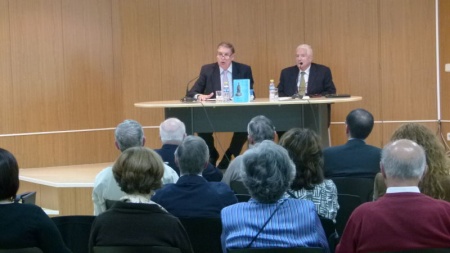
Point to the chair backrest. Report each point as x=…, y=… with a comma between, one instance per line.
x=347, y=203
x=238, y=187
x=109, y=203
x=75, y=231
x=446, y=250
x=26, y=198
x=135, y=249
x=204, y=234
x=362, y=187
x=278, y=250
x=22, y=250
x=243, y=197
x=330, y=231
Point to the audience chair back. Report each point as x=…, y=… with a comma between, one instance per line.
x=362, y=187
x=135, y=249
x=22, y=250
x=446, y=250
x=243, y=197
x=347, y=203
x=204, y=234
x=330, y=231
x=26, y=198
x=278, y=250
x=238, y=187
x=75, y=231
x=109, y=203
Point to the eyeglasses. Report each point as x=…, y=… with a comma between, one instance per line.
x=226, y=56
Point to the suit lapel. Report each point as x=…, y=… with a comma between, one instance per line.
x=312, y=76
x=216, y=77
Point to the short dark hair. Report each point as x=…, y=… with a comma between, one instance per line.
x=9, y=175
x=360, y=123
x=138, y=170
x=227, y=45
x=303, y=146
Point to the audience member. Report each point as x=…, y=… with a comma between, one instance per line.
x=172, y=132
x=436, y=181
x=135, y=219
x=269, y=220
x=403, y=218
x=192, y=195
x=259, y=128
x=355, y=158
x=303, y=146
x=23, y=225
x=128, y=134
x=211, y=79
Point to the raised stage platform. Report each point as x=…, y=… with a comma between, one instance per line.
x=63, y=190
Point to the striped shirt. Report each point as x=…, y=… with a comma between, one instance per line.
x=295, y=224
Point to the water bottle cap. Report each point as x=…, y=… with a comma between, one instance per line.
x=271, y=80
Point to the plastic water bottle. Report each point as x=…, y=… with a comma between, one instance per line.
x=272, y=90
x=226, y=92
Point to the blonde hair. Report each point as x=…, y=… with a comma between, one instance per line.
x=437, y=161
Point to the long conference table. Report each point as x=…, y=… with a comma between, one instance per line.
x=286, y=113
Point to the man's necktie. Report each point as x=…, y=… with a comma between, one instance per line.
x=302, y=87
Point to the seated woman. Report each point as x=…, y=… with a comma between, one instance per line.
x=303, y=146
x=269, y=220
x=136, y=220
x=23, y=225
x=436, y=181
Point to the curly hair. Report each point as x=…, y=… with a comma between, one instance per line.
x=303, y=146
x=437, y=161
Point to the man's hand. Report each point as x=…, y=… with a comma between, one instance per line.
x=205, y=97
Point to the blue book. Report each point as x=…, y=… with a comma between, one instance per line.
x=241, y=90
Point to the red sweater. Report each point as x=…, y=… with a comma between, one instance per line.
x=397, y=221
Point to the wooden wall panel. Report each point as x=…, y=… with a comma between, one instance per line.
x=61, y=149
x=285, y=31
x=444, y=50
x=408, y=60
x=89, y=86
x=6, y=85
x=37, y=66
x=140, y=57
x=349, y=46
x=243, y=23
x=186, y=44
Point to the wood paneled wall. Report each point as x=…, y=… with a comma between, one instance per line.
x=74, y=69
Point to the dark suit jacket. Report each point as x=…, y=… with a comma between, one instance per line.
x=209, y=79
x=353, y=159
x=193, y=196
x=167, y=153
x=320, y=81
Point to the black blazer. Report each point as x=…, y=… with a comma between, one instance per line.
x=209, y=78
x=320, y=81
x=353, y=159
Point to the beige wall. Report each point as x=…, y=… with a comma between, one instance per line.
x=79, y=66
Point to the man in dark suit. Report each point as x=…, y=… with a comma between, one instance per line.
x=172, y=132
x=355, y=158
x=306, y=78
x=193, y=196
x=211, y=79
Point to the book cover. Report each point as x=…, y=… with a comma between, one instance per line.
x=241, y=90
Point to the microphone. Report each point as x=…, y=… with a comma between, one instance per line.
x=296, y=95
x=186, y=98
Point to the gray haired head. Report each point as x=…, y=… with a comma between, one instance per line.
x=403, y=160
x=192, y=155
x=260, y=128
x=267, y=171
x=172, y=130
x=129, y=134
